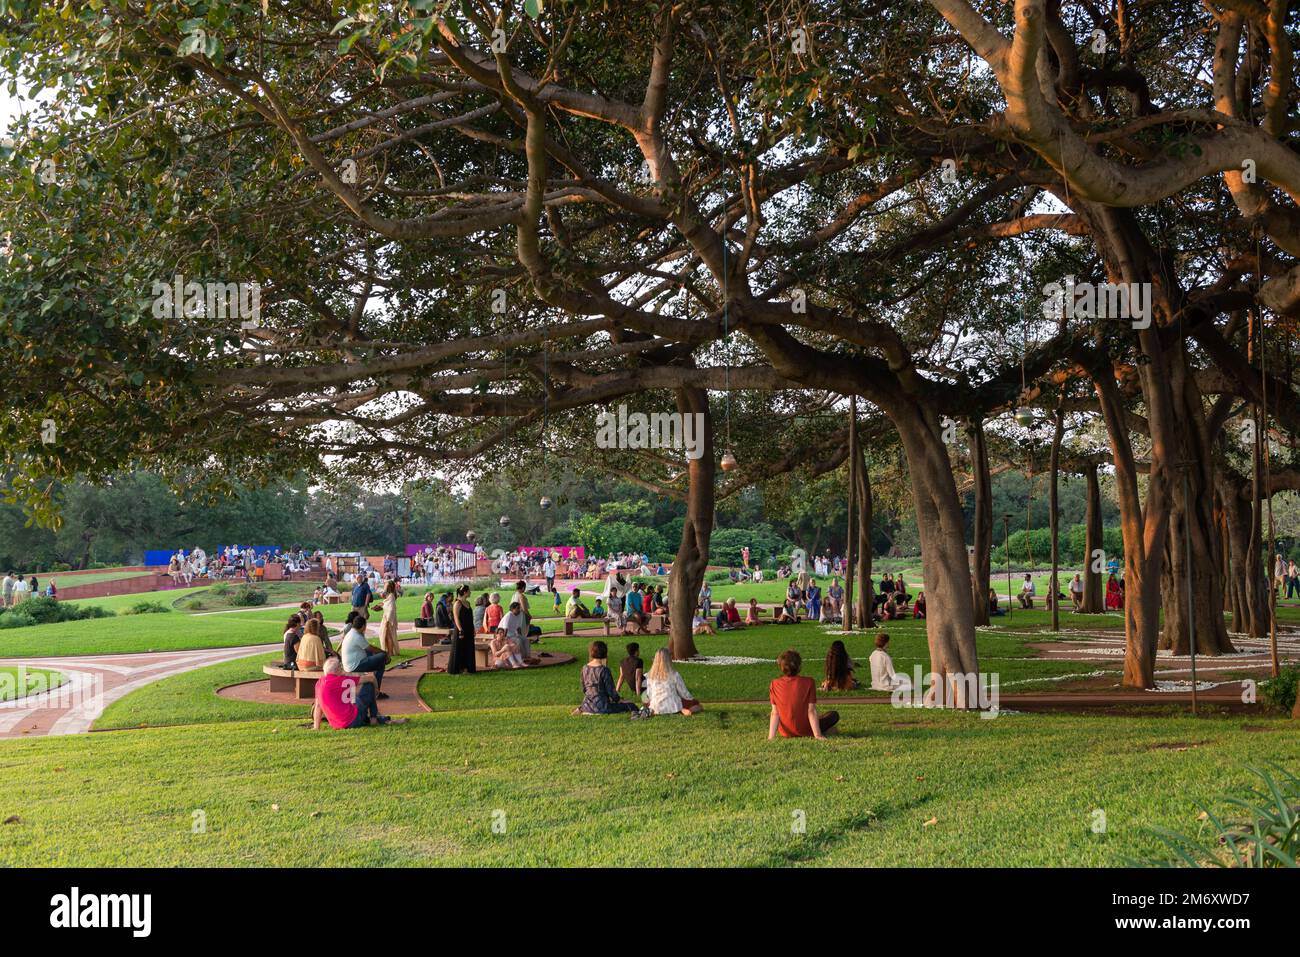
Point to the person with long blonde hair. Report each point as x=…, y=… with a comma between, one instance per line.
x=665, y=691
x=388, y=624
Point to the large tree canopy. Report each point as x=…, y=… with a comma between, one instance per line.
x=472, y=221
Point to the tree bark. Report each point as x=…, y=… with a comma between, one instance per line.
x=982, y=522
x=847, y=613
x=949, y=624
x=1191, y=493
x=865, y=591
x=1094, y=588
x=1248, y=581
x=693, y=553
x=1054, y=516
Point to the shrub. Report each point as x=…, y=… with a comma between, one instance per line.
x=1279, y=692
x=1266, y=832
x=246, y=595
x=45, y=611
x=220, y=588
x=146, y=608
x=194, y=604
x=714, y=578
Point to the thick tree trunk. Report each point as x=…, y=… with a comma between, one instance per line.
x=1204, y=580
x=1191, y=491
x=1094, y=564
x=865, y=590
x=982, y=522
x=693, y=553
x=950, y=625
x=1247, y=579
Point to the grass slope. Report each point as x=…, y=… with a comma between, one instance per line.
x=710, y=790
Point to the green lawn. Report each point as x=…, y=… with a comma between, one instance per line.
x=65, y=580
x=1020, y=790
x=135, y=633
x=16, y=681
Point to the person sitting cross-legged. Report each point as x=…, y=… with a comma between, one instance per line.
x=345, y=701
x=361, y=657
x=575, y=608
x=794, y=703
x=598, y=694
x=505, y=653
x=665, y=691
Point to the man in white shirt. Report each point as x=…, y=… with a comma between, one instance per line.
x=360, y=656
x=1027, y=593
x=548, y=570
x=1076, y=592
x=516, y=626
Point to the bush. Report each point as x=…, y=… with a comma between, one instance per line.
x=220, y=588
x=715, y=578
x=1279, y=692
x=247, y=595
x=146, y=608
x=45, y=611
x=194, y=604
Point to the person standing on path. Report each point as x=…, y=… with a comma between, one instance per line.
x=388, y=624
x=361, y=595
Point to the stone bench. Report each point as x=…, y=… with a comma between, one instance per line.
x=569, y=624
x=432, y=638
x=301, y=683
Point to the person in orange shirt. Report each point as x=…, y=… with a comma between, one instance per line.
x=794, y=703
x=492, y=617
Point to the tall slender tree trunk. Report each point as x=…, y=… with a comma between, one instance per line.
x=693, y=552
x=982, y=522
x=1094, y=563
x=950, y=624
x=848, y=614
x=1054, y=516
x=865, y=591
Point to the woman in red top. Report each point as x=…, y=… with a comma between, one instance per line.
x=794, y=703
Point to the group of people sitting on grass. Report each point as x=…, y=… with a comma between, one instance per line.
x=663, y=691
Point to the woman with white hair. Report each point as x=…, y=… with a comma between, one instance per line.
x=665, y=691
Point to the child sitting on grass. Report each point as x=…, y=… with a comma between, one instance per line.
x=598, y=694
x=751, y=617
x=631, y=670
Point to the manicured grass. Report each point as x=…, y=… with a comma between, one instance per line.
x=117, y=603
x=18, y=681
x=135, y=633
x=190, y=698
x=65, y=580
x=1020, y=790
x=277, y=593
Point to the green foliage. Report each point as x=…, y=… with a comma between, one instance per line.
x=1072, y=542
x=220, y=588
x=146, y=608
x=1280, y=693
x=247, y=596
x=1266, y=832
x=762, y=539
x=43, y=611
x=193, y=604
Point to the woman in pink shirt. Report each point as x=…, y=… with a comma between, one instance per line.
x=346, y=701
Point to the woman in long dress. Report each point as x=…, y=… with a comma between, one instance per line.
x=388, y=625
x=461, y=658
